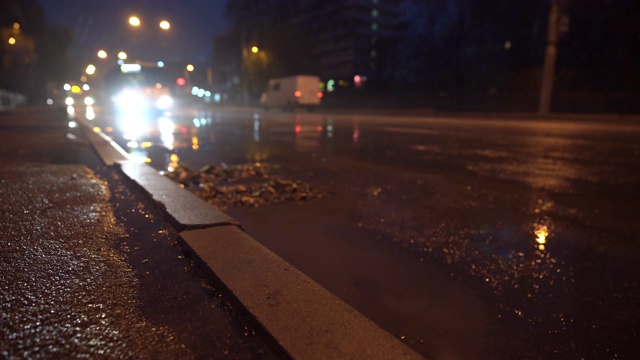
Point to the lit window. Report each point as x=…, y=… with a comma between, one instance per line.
x=374, y=26
x=373, y=54
x=374, y=13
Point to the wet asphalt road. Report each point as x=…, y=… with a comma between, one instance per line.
x=88, y=268
x=466, y=237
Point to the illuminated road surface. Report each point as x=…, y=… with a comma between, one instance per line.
x=467, y=238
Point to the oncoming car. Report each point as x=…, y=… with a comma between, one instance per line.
x=140, y=88
x=140, y=95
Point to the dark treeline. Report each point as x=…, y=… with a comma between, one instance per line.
x=39, y=51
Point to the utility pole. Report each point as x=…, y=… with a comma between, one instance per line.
x=244, y=78
x=551, y=52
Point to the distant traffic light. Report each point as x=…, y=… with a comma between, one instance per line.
x=181, y=81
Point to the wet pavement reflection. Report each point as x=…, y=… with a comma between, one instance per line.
x=538, y=219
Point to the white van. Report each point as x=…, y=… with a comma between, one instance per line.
x=292, y=91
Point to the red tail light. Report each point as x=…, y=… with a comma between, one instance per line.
x=320, y=94
x=297, y=93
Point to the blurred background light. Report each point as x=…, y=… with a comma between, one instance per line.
x=134, y=21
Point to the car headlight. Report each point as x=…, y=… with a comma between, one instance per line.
x=164, y=102
x=69, y=101
x=131, y=101
x=89, y=101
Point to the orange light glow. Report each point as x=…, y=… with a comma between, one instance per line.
x=164, y=25
x=541, y=232
x=134, y=21
x=298, y=129
x=297, y=93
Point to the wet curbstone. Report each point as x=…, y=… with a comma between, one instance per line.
x=303, y=318
x=184, y=209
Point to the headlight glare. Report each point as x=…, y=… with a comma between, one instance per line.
x=164, y=102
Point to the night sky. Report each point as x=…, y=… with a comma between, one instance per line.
x=104, y=24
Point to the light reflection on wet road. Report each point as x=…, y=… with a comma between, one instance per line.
x=468, y=238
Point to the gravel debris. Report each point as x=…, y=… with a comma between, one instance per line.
x=244, y=185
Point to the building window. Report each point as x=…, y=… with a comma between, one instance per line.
x=374, y=13
x=373, y=54
x=374, y=26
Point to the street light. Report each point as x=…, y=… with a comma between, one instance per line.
x=187, y=77
x=254, y=49
x=164, y=25
x=16, y=31
x=102, y=54
x=134, y=21
x=91, y=69
x=122, y=55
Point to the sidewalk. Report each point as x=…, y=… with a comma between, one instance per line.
x=103, y=257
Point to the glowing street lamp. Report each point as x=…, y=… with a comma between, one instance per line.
x=102, y=54
x=164, y=25
x=122, y=55
x=254, y=49
x=12, y=41
x=134, y=21
x=91, y=69
x=190, y=68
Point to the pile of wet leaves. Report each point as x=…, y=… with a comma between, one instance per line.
x=245, y=185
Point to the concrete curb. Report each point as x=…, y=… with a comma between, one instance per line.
x=183, y=209
x=305, y=319
x=107, y=149
x=298, y=316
